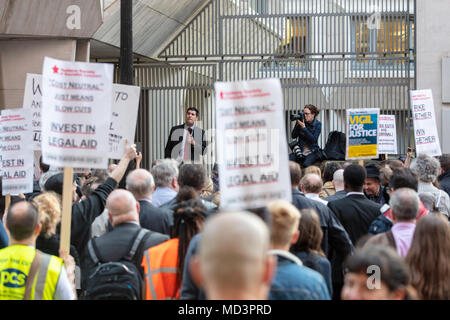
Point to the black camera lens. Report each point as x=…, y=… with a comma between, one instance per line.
x=295, y=117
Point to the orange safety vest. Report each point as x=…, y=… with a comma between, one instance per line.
x=160, y=268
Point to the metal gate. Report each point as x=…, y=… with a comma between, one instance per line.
x=335, y=54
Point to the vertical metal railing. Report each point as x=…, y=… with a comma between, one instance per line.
x=336, y=54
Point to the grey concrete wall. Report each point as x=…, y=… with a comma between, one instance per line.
x=433, y=43
x=62, y=18
x=19, y=57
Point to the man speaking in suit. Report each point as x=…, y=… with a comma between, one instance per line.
x=186, y=142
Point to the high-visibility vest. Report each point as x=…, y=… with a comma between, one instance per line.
x=160, y=269
x=15, y=263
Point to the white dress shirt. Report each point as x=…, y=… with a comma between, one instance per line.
x=315, y=197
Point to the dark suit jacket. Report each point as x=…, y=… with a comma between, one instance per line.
x=115, y=245
x=356, y=213
x=444, y=181
x=334, y=235
x=338, y=195
x=175, y=143
x=153, y=218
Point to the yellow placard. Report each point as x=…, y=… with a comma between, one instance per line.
x=362, y=151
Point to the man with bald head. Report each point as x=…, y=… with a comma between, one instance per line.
x=123, y=213
x=338, y=183
x=141, y=184
x=311, y=185
x=233, y=260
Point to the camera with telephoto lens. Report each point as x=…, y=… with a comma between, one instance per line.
x=296, y=149
x=298, y=152
x=300, y=116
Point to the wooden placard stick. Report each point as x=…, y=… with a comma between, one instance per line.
x=66, y=218
x=361, y=162
x=7, y=201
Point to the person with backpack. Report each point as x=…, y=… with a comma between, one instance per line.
x=85, y=212
x=118, y=254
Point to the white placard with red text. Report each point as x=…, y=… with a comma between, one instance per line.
x=252, y=149
x=387, y=134
x=425, y=130
x=16, y=144
x=76, y=113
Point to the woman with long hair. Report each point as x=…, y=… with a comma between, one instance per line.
x=307, y=248
x=48, y=241
x=429, y=258
x=49, y=204
x=165, y=261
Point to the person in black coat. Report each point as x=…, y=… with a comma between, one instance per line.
x=336, y=243
x=85, y=211
x=114, y=245
x=444, y=178
x=334, y=235
x=355, y=211
x=186, y=135
x=141, y=184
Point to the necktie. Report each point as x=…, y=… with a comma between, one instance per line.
x=187, y=146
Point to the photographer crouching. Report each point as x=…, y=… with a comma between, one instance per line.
x=307, y=130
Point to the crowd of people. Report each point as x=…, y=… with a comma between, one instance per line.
x=379, y=231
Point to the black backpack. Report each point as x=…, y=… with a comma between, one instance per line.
x=120, y=280
x=335, y=146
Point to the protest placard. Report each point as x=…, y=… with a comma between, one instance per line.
x=76, y=112
x=124, y=113
x=32, y=99
x=387, y=134
x=362, y=133
x=425, y=130
x=16, y=144
x=252, y=150
x=76, y=109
